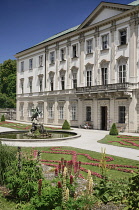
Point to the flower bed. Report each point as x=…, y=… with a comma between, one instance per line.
x=127, y=140
x=78, y=165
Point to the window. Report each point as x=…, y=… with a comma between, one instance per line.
x=52, y=57
x=62, y=82
x=51, y=83
x=104, y=42
x=89, y=46
x=88, y=113
x=73, y=112
x=50, y=111
x=122, y=73
x=104, y=76
x=61, y=112
x=121, y=114
x=40, y=60
x=62, y=54
x=89, y=77
x=22, y=66
x=74, y=80
x=30, y=85
x=40, y=83
x=22, y=86
x=74, y=51
x=123, y=36
x=30, y=64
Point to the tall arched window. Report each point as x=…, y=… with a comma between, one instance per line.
x=89, y=74
x=122, y=70
x=104, y=72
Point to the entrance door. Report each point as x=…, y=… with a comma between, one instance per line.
x=104, y=117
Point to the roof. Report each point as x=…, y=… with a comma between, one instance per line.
x=134, y=3
x=126, y=7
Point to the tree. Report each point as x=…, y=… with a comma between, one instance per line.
x=8, y=84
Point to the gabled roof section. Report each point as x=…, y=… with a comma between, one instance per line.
x=134, y=3
x=104, y=11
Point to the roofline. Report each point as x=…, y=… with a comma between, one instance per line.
x=77, y=31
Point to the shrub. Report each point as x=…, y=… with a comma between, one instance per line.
x=133, y=196
x=2, y=118
x=113, y=130
x=66, y=125
x=7, y=155
x=22, y=178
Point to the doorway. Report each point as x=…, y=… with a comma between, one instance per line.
x=103, y=117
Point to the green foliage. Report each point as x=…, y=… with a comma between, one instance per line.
x=8, y=84
x=113, y=130
x=66, y=125
x=2, y=118
x=50, y=198
x=22, y=178
x=7, y=155
x=6, y=102
x=133, y=196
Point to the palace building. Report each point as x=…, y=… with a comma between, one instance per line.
x=88, y=73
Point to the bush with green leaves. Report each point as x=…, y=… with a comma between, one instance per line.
x=50, y=197
x=113, y=130
x=22, y=178
x=2, y=118
x=66, y=125
x=133, y=195
x=7, y=156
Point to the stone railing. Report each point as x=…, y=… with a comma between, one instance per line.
x=110, y=87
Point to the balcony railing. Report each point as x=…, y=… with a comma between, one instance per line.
x=109, y=87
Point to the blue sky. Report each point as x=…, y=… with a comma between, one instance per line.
x=24, y=23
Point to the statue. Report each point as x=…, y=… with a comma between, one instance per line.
x=35, y=114
x=37, y=129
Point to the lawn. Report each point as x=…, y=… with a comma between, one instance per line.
x=121, y=141
x=116, y=167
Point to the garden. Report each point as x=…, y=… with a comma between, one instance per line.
x=67, y=178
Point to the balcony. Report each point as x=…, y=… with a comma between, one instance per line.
x=107, y=88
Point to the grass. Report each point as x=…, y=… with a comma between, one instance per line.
x=114, y=140
x=7, y=204
x=113, y=173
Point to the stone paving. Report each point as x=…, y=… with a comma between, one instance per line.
x=88, y=141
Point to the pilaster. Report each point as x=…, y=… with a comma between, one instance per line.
x=113, y=52
x=133, y=49
x=132, y=112
x=68, y=63
x=56, y=66
x=81, y=40
x=96, y=66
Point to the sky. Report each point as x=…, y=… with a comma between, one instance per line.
x=24, y=23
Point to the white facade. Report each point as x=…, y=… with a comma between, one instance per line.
x=89, y=73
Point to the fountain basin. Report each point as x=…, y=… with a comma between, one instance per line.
x=57, y=135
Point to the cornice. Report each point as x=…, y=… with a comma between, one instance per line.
x=110, y=20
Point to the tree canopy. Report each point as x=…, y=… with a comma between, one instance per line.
x=8, y=84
